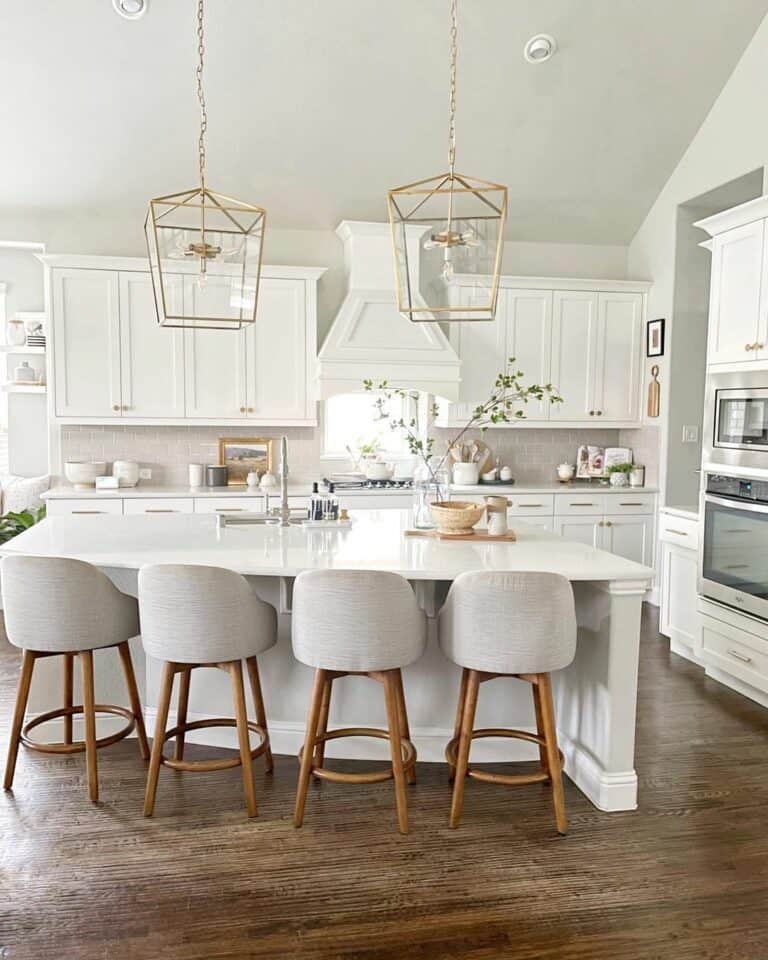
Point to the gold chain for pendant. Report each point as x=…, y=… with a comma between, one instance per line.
x=452, y=124
x=200, y=93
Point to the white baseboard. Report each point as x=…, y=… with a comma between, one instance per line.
x=609, y=792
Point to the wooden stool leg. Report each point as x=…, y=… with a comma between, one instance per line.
x=181, y=711
x=459, y=715
x=89, y=713
x=536, y=691
x=69, y=683
x=402, y=712
x=322, y=724
x=133, y=695
x=465, y=740
x=553, y=757
x=258, y=704
x=22, y=695
x=305, y=771
x=393, y=719
x=241, y=715
x=158, y=740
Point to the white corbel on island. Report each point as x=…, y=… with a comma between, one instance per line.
x=595, y=697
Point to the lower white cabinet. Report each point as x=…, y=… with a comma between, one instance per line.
x=678, y=619
x=84, y=506
x=159, y=505
x=586, y=530
x=629, y=537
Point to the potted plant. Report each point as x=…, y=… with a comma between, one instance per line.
x=618, y=474
x=505, y=404
x=12, y=524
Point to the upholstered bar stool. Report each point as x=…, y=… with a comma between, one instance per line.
x=361, y=623
x=508, y=625
x=197, y=616
x=66, y=608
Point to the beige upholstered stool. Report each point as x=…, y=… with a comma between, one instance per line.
x=508, y=625
x=356, y=623
x=196, y=616
x=66, y=608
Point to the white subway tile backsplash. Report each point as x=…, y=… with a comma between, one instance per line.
x=532, y=453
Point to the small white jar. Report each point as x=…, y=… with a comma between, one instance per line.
x=196, y=474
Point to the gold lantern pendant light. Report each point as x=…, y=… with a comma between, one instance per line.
x=204, y=248
x=448, y=235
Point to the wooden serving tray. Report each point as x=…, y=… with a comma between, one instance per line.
x=477, y=535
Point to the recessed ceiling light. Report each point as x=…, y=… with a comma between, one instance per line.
x=540, y=48
x=130, y=9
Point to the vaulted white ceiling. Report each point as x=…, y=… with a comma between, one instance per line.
x=316, y=107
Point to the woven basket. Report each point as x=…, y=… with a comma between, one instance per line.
x=455, y=517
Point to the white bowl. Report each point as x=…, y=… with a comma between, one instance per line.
x=82, y=473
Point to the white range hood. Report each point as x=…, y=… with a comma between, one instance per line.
x=369, y=339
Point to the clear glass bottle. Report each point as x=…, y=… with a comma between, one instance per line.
x=331, y=505
x=431, y=483
x=315, y=504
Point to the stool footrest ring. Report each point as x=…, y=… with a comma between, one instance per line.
x=206, y=766
x=77, y=746
x=375, y=776
x=512, y=780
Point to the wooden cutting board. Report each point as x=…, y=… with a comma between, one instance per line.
x=477, y=535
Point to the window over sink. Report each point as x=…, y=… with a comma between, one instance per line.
x=349, y=421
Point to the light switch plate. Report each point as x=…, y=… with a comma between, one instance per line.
x=691, y=434
x=145, y=473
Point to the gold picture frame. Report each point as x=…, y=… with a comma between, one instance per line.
x=244, y=455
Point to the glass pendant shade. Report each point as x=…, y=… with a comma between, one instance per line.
x=447, y=235
x=215, y=244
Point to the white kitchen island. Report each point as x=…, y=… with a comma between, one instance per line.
x=595, y=698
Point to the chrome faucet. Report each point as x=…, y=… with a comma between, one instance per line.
x=284, y=511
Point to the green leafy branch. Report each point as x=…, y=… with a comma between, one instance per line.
x=12, y=524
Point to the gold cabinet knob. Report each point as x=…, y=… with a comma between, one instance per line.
x=250, y=409
x=115, y=406
x=608, y=523
x=591, y=413
x=749, y=346
x=599, y=413
x=759, y=346
x=242, y=409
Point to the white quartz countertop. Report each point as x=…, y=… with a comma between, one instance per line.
x=376, y=541
x=297, y=489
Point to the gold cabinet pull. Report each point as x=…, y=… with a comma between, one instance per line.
x=739, y=656
x=230, y=510
x=581, y=504
x=160, y=510
x=680, y=533
x=87, y=511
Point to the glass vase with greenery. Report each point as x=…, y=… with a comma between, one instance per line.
x=506, y=403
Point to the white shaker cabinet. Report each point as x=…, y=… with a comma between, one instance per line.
x=277, y=367
x=630, y=537
x=151, y=357
x=587, y=530
x=618, y=365
x=737, y=320
x=527, y=324
x=214, y=360
x=86, y=331
x=574, y=352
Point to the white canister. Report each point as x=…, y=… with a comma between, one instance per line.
x=637, y=477
x=126, y=471
x=24, y=373
x=196, y=474
x=497, y=523
x=465, y=474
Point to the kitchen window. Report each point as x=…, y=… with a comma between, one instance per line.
x=349, y=420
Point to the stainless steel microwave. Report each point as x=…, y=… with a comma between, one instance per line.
x=736, y=420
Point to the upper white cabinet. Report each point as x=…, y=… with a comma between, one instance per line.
x=574, y=346
x=214, y=360
x=587, y=342
x=738, y=302
x=86, y=331
x=151, y=358
x=110, y=360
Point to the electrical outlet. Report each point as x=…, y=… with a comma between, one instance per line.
x=145, y=473
x=691, y=434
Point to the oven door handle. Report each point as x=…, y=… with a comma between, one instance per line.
x=737, y=504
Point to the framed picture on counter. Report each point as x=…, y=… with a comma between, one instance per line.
x=654, y=338
x=243, y=455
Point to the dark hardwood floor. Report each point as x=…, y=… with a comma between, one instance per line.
x=686, y=876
